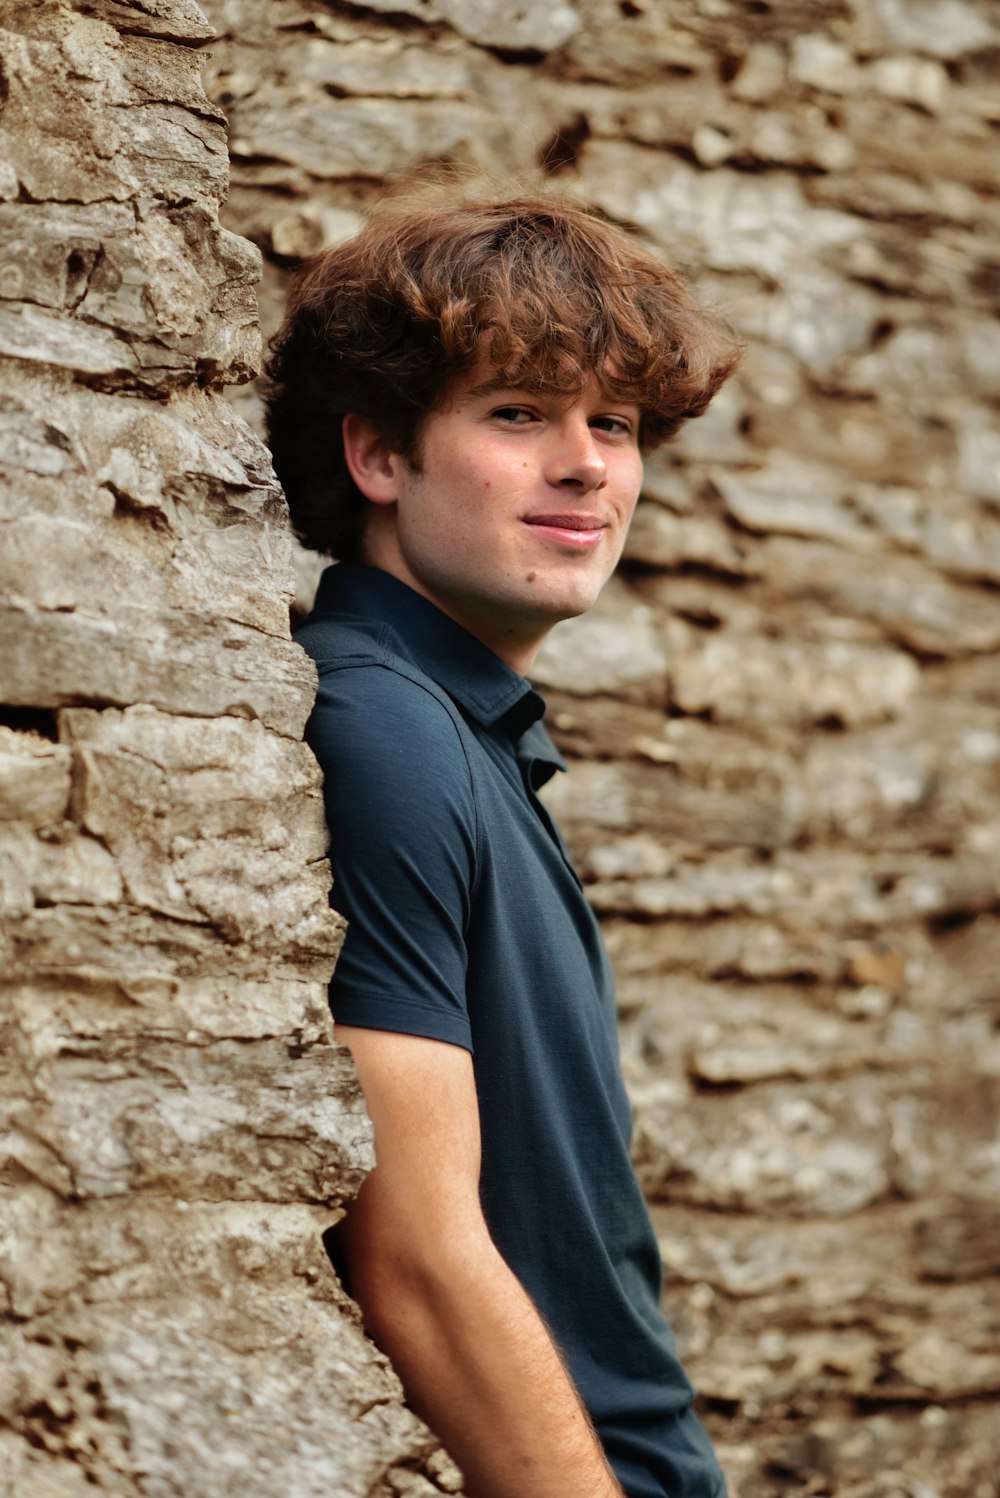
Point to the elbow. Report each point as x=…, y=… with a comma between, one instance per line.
x=399, y=1303
x=399, y=1279
x=382, y=1286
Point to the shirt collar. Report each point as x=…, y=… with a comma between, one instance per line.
x=489, y=690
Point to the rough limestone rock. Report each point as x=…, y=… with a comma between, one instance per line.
x=783, y=720
x=177, y=1126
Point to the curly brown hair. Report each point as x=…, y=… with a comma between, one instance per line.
x=548, y=292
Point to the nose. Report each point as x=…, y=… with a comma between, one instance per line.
x=575, y=460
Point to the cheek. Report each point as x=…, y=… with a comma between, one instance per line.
x=633, y=484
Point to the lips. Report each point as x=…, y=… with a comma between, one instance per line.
x=569, y=532
x=570, y=522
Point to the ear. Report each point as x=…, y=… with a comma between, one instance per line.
x=373, y=464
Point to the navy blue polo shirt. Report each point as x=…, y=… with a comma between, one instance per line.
x=468, y=924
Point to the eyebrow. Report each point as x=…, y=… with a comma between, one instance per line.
x=494, y=387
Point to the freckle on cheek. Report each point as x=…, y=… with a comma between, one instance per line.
x=531, y=577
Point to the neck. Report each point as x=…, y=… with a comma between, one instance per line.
x=516, y=647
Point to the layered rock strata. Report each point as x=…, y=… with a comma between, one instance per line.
x=177, y=1126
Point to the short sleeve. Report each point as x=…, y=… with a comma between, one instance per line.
x=401, y=812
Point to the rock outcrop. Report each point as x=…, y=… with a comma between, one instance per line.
x=177, y=1126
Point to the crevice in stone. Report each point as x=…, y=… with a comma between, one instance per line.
x=39, y=720
x=81, y=267
x=564, y=149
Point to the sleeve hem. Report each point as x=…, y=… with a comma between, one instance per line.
x=403, y=1016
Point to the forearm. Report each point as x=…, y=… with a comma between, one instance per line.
x=479, y=1366
x=474, y=1355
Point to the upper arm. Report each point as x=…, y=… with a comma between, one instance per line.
x=401, y=812
x=421, y=1098
x=402, y=817
x=421, y=1202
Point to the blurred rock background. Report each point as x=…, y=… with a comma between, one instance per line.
x=783, y=719
x=783, y=722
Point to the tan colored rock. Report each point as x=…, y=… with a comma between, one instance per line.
x=345, y=138
x=958, y=1240
x=730, y=223
x=177, y=1128
x=752, y=809
x=816, y=59
x=979, y=458
x=511, y=25
x=616, y=648
x=763, y=681
x=34, y=778
x=493, y=23
x=945, y=28
x=658, y=538
x=910, y=601
x=156, y=1331
x=792, y=1152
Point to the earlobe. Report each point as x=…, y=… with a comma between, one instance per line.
x=371, y=462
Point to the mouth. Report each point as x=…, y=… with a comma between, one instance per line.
x=572, y=529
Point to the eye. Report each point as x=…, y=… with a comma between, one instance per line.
x=512, y=415
x=618, y=426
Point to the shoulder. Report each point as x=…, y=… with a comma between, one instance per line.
x=387, y=710
x=390, y=742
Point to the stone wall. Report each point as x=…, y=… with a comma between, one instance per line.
x=784, y=718
x=177, y=1128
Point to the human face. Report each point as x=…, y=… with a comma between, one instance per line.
x=517, y=515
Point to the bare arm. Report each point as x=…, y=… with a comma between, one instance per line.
x=474, y=1356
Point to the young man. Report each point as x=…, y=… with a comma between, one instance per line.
x=459, y=401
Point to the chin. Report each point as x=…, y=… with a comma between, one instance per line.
x=570, y=603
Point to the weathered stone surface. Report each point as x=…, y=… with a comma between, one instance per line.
x=512, y=25
x=616, y=648
x=792, y=498
x=207, y=1119
x=766, y=681
x=658, y=538
x=34, y=778
x=209, y=819
x=743, y=802
x=944, y=28
x=794, y=1152
x=352, y=137
x=177, y=1127
x=113, y=269
x=910, y=602
x=730, y=223
x=506, y=24
x=159, y=1329
x=169, y=662
x=136, y=138
x=179, y=499
x=959, y=1240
